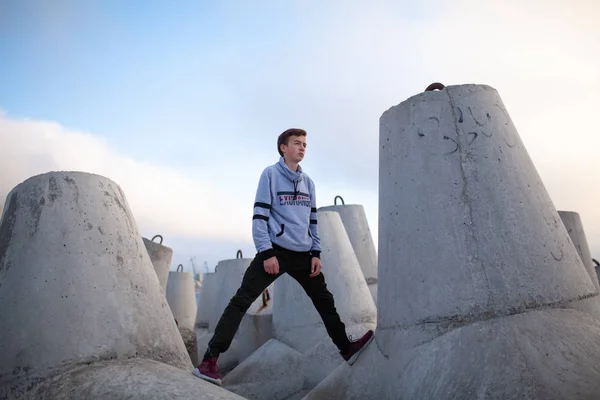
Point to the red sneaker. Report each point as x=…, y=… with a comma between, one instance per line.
x=208, y=371
x=356, y=347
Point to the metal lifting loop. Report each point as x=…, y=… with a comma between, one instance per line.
x=181, y=268
x=265, y=297
x=434, y=86
x=157, y=236
x=335, y=200
x=596, y=262
x=239, y=254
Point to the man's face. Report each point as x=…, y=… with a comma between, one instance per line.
x=295, y=149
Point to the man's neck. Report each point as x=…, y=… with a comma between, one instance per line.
x=291, y=165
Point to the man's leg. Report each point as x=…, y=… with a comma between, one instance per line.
x=316, y=289
x=255, y=281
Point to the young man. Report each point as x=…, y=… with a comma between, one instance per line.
x=284, y=229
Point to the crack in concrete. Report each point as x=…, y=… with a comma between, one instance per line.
x=457, y=321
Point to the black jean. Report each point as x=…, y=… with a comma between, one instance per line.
x=256, y=280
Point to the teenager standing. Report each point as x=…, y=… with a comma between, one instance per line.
x=284, y=230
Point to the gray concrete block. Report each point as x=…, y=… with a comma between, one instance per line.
x=207, y=299
x=128, y=379
x=181, y=297
x=161, y=257
x=373, y=290
x=271, y=372
x=323, y=358
x=79, y=281
x=474, y=266
x=466, y=224
x=357, y=227
x=546, y=354
x=574, y=227
x=191, y=343
x=295, y=319
x=229, y=274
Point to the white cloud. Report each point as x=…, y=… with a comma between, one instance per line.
x=163, y=200
x=537, y=54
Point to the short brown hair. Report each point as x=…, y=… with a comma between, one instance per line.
x=284, y=137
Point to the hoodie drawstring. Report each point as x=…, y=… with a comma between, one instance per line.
x=295, y=189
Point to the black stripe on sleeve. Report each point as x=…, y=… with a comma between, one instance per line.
x=260, y=217
x=313, y=221
x=262, y=205
x=313, y=209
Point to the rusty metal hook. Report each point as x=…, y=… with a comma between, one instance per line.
x=181, y=268
x=335, y=200
x=157, y=236
x=265, y=297
x=239, y=254
x=434, y=86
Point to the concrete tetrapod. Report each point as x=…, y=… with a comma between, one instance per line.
x=181, y=297
x=357, y=227
x=574, y=226
x=87, y=317
x=296, y=322
x=161, y=257
x=207, y=299
x=473, y=261
x=255, y=328
x=298, y=326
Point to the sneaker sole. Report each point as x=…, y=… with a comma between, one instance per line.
x=355, y=356
x=200, y=375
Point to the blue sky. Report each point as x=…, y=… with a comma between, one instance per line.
x=196, y=92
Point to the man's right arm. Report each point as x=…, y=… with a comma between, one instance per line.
x=260, y=219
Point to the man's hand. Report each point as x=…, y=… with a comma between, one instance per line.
x=315, y=267
x=272, y=266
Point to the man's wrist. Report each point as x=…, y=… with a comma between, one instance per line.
x=266, y=254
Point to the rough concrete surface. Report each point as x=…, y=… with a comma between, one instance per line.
x=472, y=254
x=229, y=274
x=466, y=224
x=574, y=227
x=77, y=282
x=357, y=227
x=271, y=372
x=161, y=257
x=547, y=354
x=181, y=297
x=373, y=290
x=296, y=322
x=207, y=299
x=191, y=343
x=129, y=379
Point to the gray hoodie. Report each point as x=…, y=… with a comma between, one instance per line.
x=285, y=212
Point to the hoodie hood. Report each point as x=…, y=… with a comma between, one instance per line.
x=287, y=172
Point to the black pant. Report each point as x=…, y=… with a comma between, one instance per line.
x=256, y=280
